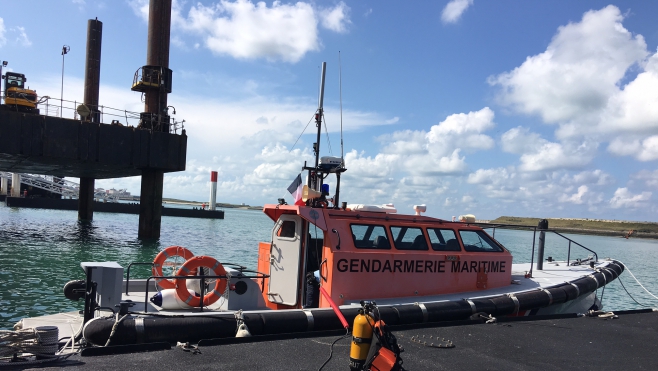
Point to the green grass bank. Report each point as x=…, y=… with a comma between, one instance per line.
x=588, y=226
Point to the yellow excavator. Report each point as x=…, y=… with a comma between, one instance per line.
x=17, y=97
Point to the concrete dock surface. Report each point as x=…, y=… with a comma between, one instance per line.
x=629, y=342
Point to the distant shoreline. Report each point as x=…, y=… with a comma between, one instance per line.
x=199, y=204
x=597, y=227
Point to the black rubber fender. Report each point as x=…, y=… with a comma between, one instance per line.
x=585, y=285
x=159, y=329
x=617, y=267
x=389, y=315
x=284, y=322
x=558, y=294
x=409, y=314
x=325, y=319
x=448, y=311
x=484, y=305
x=504, y=305
x=610, y=272
x=532, y=300
x=571, y=291
x=254, y=322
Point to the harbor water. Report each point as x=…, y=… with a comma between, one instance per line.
x=41, y=250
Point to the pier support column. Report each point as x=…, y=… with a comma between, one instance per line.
x=150, y=204
x=86, y=199
x=157, y=54
x=91, y=93
x=15, y=185
x=3, y=186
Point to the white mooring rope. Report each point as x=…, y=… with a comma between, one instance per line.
x=638, y=281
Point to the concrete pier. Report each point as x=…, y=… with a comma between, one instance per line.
x=4, y=182
x=65, y=147
x=90, y=150
x=15, y=185
x=521, y=343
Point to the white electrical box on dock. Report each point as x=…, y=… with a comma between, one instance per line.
x=109, y=278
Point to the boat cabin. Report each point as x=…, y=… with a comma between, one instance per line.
x=356, y=255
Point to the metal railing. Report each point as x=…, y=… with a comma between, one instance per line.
x=535, y=230
x=66, y=188
x=69, y=109
x=240, y=268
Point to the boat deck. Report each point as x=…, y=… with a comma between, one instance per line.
x=530, y=343
x=553, y=274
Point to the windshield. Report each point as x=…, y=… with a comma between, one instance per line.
x=478, y=241
x=15, y=81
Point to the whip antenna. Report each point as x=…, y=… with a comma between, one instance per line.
x=340, y=94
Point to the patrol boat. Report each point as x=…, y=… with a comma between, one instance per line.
x=323, y=258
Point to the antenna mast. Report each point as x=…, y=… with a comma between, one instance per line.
x=315, y=182
x=316, y=175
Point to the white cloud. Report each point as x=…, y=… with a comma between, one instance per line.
x=463, y=131
x=550, y=156
x=650, y=178
x=22, y=38
x=3, y=39
x=576, y=198
x=520, y=140
x=623, y=198
x=643, y=150
x=593, y=177
x=579, y=70
x=597, y=81
x=539, y=154
x=488, y=176
x=243, y=29
x=438, y=150
x=141, y=9
x=335, y=19
x=454, y=10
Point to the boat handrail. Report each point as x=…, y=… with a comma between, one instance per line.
x=535, y=229
x=128, y=272
x=240, y=268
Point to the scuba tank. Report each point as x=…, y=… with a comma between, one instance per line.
x=361, y=337
x=380, y=352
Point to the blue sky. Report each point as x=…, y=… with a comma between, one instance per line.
x=525, y=108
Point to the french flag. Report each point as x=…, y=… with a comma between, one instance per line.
x=295, y=189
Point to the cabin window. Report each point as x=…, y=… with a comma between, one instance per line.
x=478, y=241
x=287, y=229
x=369, y=236
x=443, y=239
x=408, y=238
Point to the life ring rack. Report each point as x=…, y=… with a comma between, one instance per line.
x=188, y=269
x=159, y=260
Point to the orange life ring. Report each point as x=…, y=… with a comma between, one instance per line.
x=160, y=259
x=188, y=268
